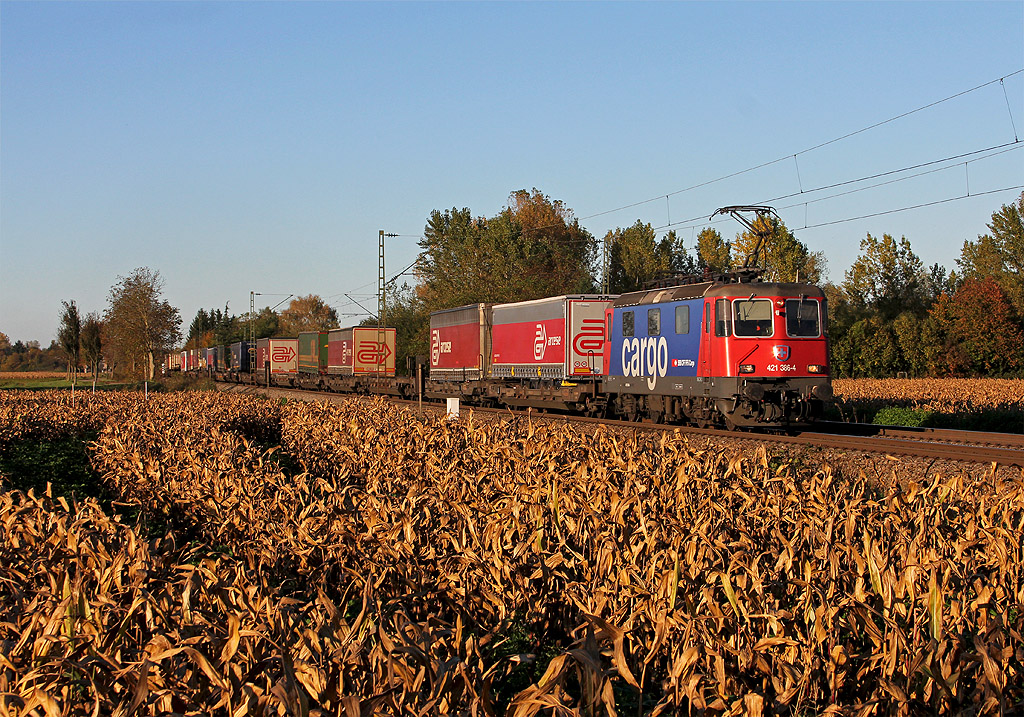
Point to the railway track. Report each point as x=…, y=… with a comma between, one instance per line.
x=1006, y=449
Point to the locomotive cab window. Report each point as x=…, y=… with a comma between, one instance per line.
x=753, y=317
x=627, y=323
x=683, y=319
x=802, y=318
x=723, y=320
x=654, y=322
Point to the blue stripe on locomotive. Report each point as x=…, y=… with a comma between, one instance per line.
x=669, y=354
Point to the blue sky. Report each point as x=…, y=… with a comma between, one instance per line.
x=260, y=146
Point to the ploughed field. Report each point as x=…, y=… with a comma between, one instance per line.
x=246, y=556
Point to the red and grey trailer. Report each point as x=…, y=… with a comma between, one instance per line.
x=560, y=338
x=460, y=343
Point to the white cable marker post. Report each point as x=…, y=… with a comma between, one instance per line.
x=453, y=409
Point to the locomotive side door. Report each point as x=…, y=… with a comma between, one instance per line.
x=607, y=351
x=704, y=368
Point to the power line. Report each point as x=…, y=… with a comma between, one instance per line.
x=916, y=206
x=900, y=179
x=1008, y=147
x=689, y=224
x=809, y=149
x=1013, y=145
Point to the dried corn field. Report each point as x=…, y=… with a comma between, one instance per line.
x=352, y=560
x=950, y=396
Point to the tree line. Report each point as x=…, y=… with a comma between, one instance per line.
x=133, y=335
x=889, y=315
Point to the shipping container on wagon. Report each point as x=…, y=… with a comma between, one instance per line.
x=561, y=337
x=183, y=361
x=194, y=359
x=311, y=345
x=460, y=343
x=281, y=355
x=359, y=351
x=240, y=357
x=208, y=357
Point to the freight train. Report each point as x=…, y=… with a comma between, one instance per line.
x=730, y=350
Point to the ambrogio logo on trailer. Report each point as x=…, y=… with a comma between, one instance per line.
x=540, y=342
x=645, y=358
x=438, y=347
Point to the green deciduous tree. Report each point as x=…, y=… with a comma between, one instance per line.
x=141, y=325
x=533, y=248
x=1000, y=253
x=713, y=253
x=69, y=336
x=635, y=258
x=783, y=256
x=92, y=344
x=886, y=279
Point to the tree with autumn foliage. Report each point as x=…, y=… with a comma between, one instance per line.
x=1000, y=253
x=141, y=325
x=533, y=248
x=306, y=313
x=980, y=329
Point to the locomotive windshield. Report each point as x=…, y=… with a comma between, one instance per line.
x=802, y=318
x=753, y=317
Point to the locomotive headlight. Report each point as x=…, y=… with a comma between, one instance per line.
x=817, y=368
x=746, y=368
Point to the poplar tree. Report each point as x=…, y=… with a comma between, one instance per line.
x=69, y=336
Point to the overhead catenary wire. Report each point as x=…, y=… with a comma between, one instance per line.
x=916, y=206
x=969, y=157
x=690, y=223
x=811, y=149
